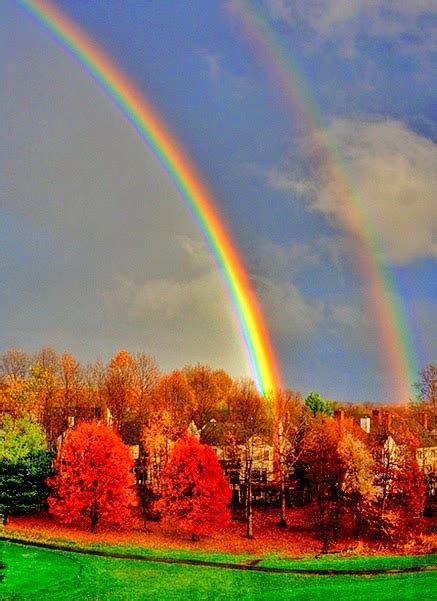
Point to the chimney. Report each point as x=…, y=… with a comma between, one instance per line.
x=423, y=419
x=365, y=424
x=387, y=420
x=339, y=418
x=377, y=416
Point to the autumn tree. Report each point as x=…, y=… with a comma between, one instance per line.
x=324, y=470
x=211, y=389
x=130, y=382
x=14, y=364
x=411, y=494
x=120, y=388
x=195, y=491
x=93, y=477
x=94, y=390
x=169, y=414
x=427, y=390
x=43, y=386
x=24, y=464
x=291, y=419
x=248, y=423
x=359, y=491
x=70, y=387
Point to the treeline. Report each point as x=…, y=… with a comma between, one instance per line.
x=284, y=451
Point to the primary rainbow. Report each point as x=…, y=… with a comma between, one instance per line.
x=393, y=341
x=259, y=350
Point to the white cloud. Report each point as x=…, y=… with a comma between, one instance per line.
x=212, y=62
x=188, y=318
x=409, y=21
x=392, y=175
x=288, y=313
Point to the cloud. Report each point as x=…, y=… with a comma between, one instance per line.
x=343, y=21
x=288, y=314
x=101, y=252
x=212, y=62
x=393, y=177
x=188, y=318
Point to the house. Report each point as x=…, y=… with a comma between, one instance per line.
x=257, y=456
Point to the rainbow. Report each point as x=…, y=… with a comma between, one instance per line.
x=259, y=350
x=394, y=341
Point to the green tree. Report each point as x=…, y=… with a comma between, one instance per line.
x=316, y=404
x=24, y=464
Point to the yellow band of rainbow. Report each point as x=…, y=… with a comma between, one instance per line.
x=259, y=350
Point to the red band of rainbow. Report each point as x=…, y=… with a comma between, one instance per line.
x=393, y=341
x=259, y=350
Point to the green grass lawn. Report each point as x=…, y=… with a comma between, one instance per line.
x=33, y=573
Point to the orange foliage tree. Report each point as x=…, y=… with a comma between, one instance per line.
x=324, y=471
x=195, y=491
x=93, y=477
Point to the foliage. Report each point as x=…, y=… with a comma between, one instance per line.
x=325, y=470
x=195, y=491
x=19, y=438
x=427, y=390
x=24, y=465
x=316, y=404
x=410, y=498
x=211, y=389
x=93, y=477
x=174, y=397
x=358, y=489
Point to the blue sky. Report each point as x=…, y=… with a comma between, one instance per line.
x=99, y=253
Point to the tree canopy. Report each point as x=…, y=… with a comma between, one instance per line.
x=195, y=493
x=93, y=477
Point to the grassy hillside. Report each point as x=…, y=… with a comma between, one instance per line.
x=33, y=573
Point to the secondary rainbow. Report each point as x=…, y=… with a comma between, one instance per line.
x=394, y=341
x=259, y=350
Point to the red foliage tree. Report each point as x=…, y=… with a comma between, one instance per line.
x=195, y=491
x=410, y=501
x=93, y=477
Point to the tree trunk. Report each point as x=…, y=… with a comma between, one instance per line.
x=193, y=537
x=94, y=515
x=5, y=516
x=283, y=518
x=249, y=507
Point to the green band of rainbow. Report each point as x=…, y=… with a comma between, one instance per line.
x=259, y=351
x=393, y=342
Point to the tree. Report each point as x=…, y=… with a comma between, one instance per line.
x=195, y=491
x=43, y=386
x=71, y=386
x=93, y=477
x=358, y=489
x=247, y=420
x=324, y=469
x=120, y=388
x=14, y=364
x=427, y=389
x=291, y=418
x=411, y=494
x=316, y=404
x=211, y=389
x=24, y=464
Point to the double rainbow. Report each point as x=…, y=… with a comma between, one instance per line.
x=259, y=351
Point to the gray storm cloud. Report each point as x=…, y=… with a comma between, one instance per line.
x=101, y=252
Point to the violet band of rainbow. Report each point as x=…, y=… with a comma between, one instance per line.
x=255, y=338
x=393, y=342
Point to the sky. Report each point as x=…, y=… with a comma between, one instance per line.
x=98, y=250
